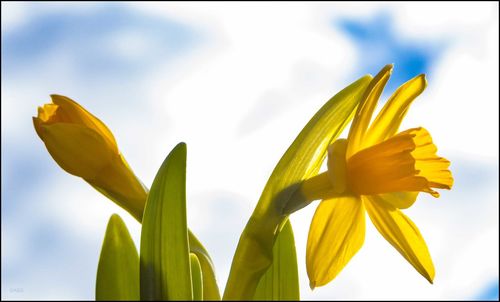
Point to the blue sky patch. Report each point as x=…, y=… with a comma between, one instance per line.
x=490, y=292
x=378, y=44
x=109, y=40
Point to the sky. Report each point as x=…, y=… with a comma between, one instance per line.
x=237, y=82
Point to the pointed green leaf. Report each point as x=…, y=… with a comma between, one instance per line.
x=210, y=288
x=303, y=159
x=197, y=277
x=308, y=151
x=281, y=280
x=164, y=261
x=118, y=269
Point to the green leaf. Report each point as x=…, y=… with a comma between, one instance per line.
x=302, y=160
x=210, y=288
x=305, y=155
x=118, y=269
x=197, y=277
x=164, y=261
x=281, y=280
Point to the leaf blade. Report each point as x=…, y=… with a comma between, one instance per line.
x=210, y=288
x=281, y=281
x=118, y=268
x=197, y=277
x=164, y=260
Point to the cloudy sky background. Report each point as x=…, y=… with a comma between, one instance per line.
x=237, y=82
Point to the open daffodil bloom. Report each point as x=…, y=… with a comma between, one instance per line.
x=83, y=146
x=378, y=170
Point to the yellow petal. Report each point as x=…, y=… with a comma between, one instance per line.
x=401, y=233
x=337, y=232
x=77, y=149
x=400, y=200
x=70, y=111
x=387, y=122
x=365, y=110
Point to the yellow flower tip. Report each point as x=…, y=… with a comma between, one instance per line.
x=429, y=274
x=386, y=71
x=423, y=79
x=312, y=285
x=62, y=100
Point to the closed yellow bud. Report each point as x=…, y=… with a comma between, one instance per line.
x=83, y=146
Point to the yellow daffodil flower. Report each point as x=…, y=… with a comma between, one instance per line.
x=379, y=171
x=83, y=146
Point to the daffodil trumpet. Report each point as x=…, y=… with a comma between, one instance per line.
x=377, y=170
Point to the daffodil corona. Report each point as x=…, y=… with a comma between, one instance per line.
x=83, y=146
x=379, y=171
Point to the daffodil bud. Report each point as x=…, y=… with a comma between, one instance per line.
x=83, y=146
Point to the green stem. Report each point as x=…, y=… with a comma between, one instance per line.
x=254, y=254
